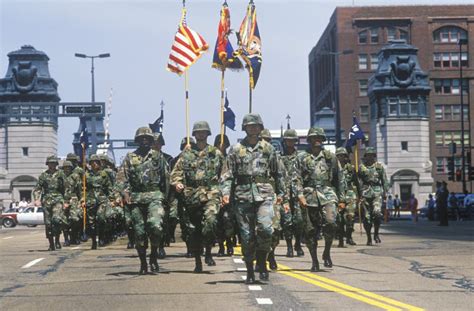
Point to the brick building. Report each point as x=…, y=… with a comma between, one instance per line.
x=345, y=57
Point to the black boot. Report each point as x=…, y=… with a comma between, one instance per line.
x=271, y=260
x=67, y=242
x=51, y=244
x=189, y=253
x=198, y=263
x=289, y=248
x=349, y=230
x=142, y=256
x=171, y=233
x=154, y=267
x=221, y=251
x=230, y=247
x=131, y=238
x=376, y=233
x=208, y=257
x=57, y=243
x=314, y=258
x=250, y=273
x=368, y=229
x=262, y=263
x=298, y=249
x=327, y=254
x=161, y=253
x=341, y=240
x=94, y=242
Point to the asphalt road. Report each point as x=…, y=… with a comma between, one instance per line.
x=417, y=266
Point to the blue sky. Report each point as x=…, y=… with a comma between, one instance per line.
x=138, y=34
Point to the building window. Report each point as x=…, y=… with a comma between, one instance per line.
x=391, y=33
x=440, y=166
x=403, y=105
x=363, y=87
x=363, y=61
x=449, y=60
x=450, y=112
x=393, y=106
x=414, y=106
x=404, y=145
x=444, y=138
x=403, y=35
x=449, y=86
x=449, y=34
x=364, y=113
x=374, y=35
x=464, y=60
x=25, y=151
x=374, y=61
x=363, y=37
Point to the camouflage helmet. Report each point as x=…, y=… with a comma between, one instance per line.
x=317, y=131
x=67, y=164
x=158, y=138
x=251, y=118
x=72, y=157
x=201, y=126
x=94, y=158
x=143, y=131
x=265, y=134
x=52, y=159
x=341, y=150
x=217, y=141
x=290, y=134
x=104, y=157
x=370, y=150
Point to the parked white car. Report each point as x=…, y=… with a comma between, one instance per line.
x=32, y=217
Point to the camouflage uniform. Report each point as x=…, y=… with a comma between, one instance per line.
x=346, y=213
x=199, y=171
x=98, y=192
x=146, y=184
x=247, y=178
x=297, y=228
x=73, y=193
x=374, y=186
x=50, y=190
x=75, y=211
x=113, y=213
x=320, y=182
x=119, y=192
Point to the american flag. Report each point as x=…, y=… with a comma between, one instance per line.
x=187, y=47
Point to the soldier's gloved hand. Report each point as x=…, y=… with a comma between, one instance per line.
x=179, y=188
x=302, y=201
x=341, y=206
x=286, y=206
x=66, y=205
x=225, y=200
x=37, y=203
x=279, y=200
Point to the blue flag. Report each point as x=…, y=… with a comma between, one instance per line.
x=229, y=115
x=157, y=126
x=355, y=134
x=84, y=137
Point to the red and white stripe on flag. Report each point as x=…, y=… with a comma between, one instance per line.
x=187, y=47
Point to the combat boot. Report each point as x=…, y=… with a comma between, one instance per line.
x=154, y=267
x=314, y=258
x=189, y=253
x=289, y=249
x=66, y=238
x=208, y=257
x=376, y=233
x=221, y=251
x=341, y=240
x=368, y=229
x=349, y=240
x=262, y=264
x=172, y=231
x=131, y=238
x=51, y=244
x=94, y=242
x=57, y=243
x=142, y=256
x=298, y=249
x=271, y=260
x=198, y=263
x=327, y=254
x=250, y=273
x=230, y=247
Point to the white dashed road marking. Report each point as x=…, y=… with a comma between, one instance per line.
x=238, y=260
x=255, y=287
x=32, y=263
x=264, y=301
x=241, y=269
x=244, y=277
x=8, y=237
x=77, y=247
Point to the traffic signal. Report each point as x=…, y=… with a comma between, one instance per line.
x=451, y=168
x=458, y=175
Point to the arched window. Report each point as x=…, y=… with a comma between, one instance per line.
x=449, y=34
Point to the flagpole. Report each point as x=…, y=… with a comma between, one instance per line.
x=356, y=160
x=187, y=105
x=222, y=108
x=250, y=96
x=84, y=212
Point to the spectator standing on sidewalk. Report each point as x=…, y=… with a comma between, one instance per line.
x=413, y=207
x=431, y=207
x=442, y=194
x=389, y=207
x=396, y=204
x=453, y=204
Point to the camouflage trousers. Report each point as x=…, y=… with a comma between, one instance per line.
x=147, y=217
x=372, y=210
x=276, y=225
x=226, y=223
x=53, y=215
x=345, y=216
x=255, y=225
x=297, y=220
x=76, y=213
x=201, y=224
x=319, y=219
x=127, y=215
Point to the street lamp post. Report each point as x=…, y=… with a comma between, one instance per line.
x=94, y=119
x=461, y=42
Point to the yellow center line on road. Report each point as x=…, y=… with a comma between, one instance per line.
x=343, y=289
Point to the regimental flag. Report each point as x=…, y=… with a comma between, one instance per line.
x=224, y=52
x=187, y=48
x=229, y=115
x=250, y=47
x=355, y=134
x=157, y=126
x=84, y=136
